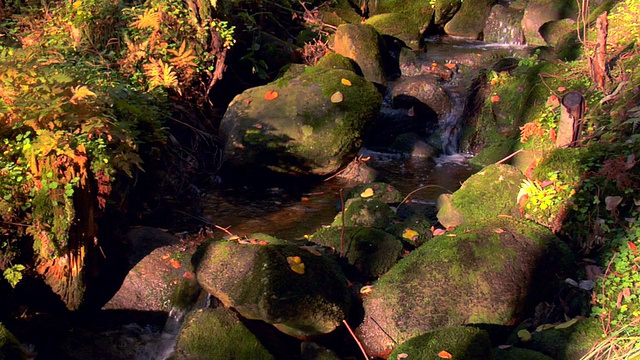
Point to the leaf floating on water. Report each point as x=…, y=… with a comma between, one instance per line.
x=524, y=335
x=345, y=82
x=270, y=95
x=566, y=324
x=410, y=234
x=445, y=355
x=367, y=193
x=296, y=264
x=337, y=97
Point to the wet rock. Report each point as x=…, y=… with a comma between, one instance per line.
x=217, y=334
x=161, y=279
x=300, y=293
x=412, y=145
x=358, y=171
x=371, y=251
x=292, y=126
x=462, y=342
x=539, y=12
x=425, y=90
x=365, y=212
x=504, y=25
x=482, y=275
x=469, y=21
x=365, y=46
x=485, y=196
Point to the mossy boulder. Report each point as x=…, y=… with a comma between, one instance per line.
x=418, y=12
x=487, y=275
x=570, y=343
x=540, y=12
x=381, y=191
x=336, y=61
x=293, y=126
x=514, y=353
x=462, y=342
x=504, y=25
x=216, y=334
x=10, y=348
x=367, y=213
x=558, y=34
x=485, y=196
x=363, y=44
x=469, y=21
x=414, y=231
x=396, y=25
x=341, y=12
x=162, y=279
x=300, y=293
x=371, y=251
x=445, y=10
x=422, y=90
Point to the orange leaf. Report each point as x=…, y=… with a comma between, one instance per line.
x=345, y=82
x=296, y=264
x=632, y=246
x=175, y=263
x=450, y=66
x=562, y=88
x=445, y=355
x=498, y=231
x=270, y=95
x=495, y=98
x=188, y=275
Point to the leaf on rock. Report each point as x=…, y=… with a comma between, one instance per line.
x=270, y=95
x=410, y=234
x=367, y=193
x=366, y=290
x=544, y=327
x=402, y=356
x=445, y=355
x=524, y=335
x=337, y=97
x=567, y=324
x=296, y=264
x=175, y=263
x=437, y=232
x=345, y=82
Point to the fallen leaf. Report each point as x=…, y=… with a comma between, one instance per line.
x=445, y=355
x=495, y=98
x=165, y=256
x=524, y=335
x=567, y=324
x=366, y=290
x=451, y=235
x=437, y=232
x=270, y=95
x=367, y=193
x=612, y=202
x=247, y=101
x=188, y=275
x=345, y=82
x=562, y=88
x=632, y=246
x=402, y=356
x=450, y=66
x=175, y=263
x=296, y=264
x=337, y=97
x=498, y=231
x=410, y=234
x=544, y=327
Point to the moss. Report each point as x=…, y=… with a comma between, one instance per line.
x=514, y=353
x=569, y=343
x=185, y=293
x=421, y=227
x=10, y=348
x=216, y=334
x=336, y=61
x=566, y=162
x=396, y=25
x=470, y=19
x=418, y=12
x=381, y=191
x=462, y=342
x=364, y=212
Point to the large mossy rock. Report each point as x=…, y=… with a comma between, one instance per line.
x=469, y=21
x=540, y=12
x=363, y=44
x=445, y=10
x=216, y=334
x=261, y=282
x=418, y=12
x=292, y=125
x=462, y=342
x=485, y=196
x=384, y=192
x=487, y=275
x=10, y=348
x=514, y=353
x=371, y=251
x=396, y=25
x=366, y=213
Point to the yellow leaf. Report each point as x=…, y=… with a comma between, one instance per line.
x=79, y=93
x=345, y=82
x=410, y=234
x=296, y=264
x=337, y=97
x=77, y=4
x=367, y=193
x=445, y=355
x=150, y=19
x=566, y=324
x=544, y=327
x=366, y=290
x=524, y=335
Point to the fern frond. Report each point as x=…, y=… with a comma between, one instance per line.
x=160, y=74
x=150, y=19
x=183, y=57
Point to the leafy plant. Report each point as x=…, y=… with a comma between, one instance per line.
x=13, y=274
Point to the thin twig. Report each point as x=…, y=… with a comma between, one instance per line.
x=510, y=156
x=418, y=189
x=366, y=356
x=224, y=229
x=343, y=225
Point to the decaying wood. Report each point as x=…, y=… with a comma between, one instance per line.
x=599, y=61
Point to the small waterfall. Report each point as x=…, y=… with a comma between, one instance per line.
x=450, y=124
x=160, y=345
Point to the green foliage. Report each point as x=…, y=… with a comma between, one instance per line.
x=13, y=274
